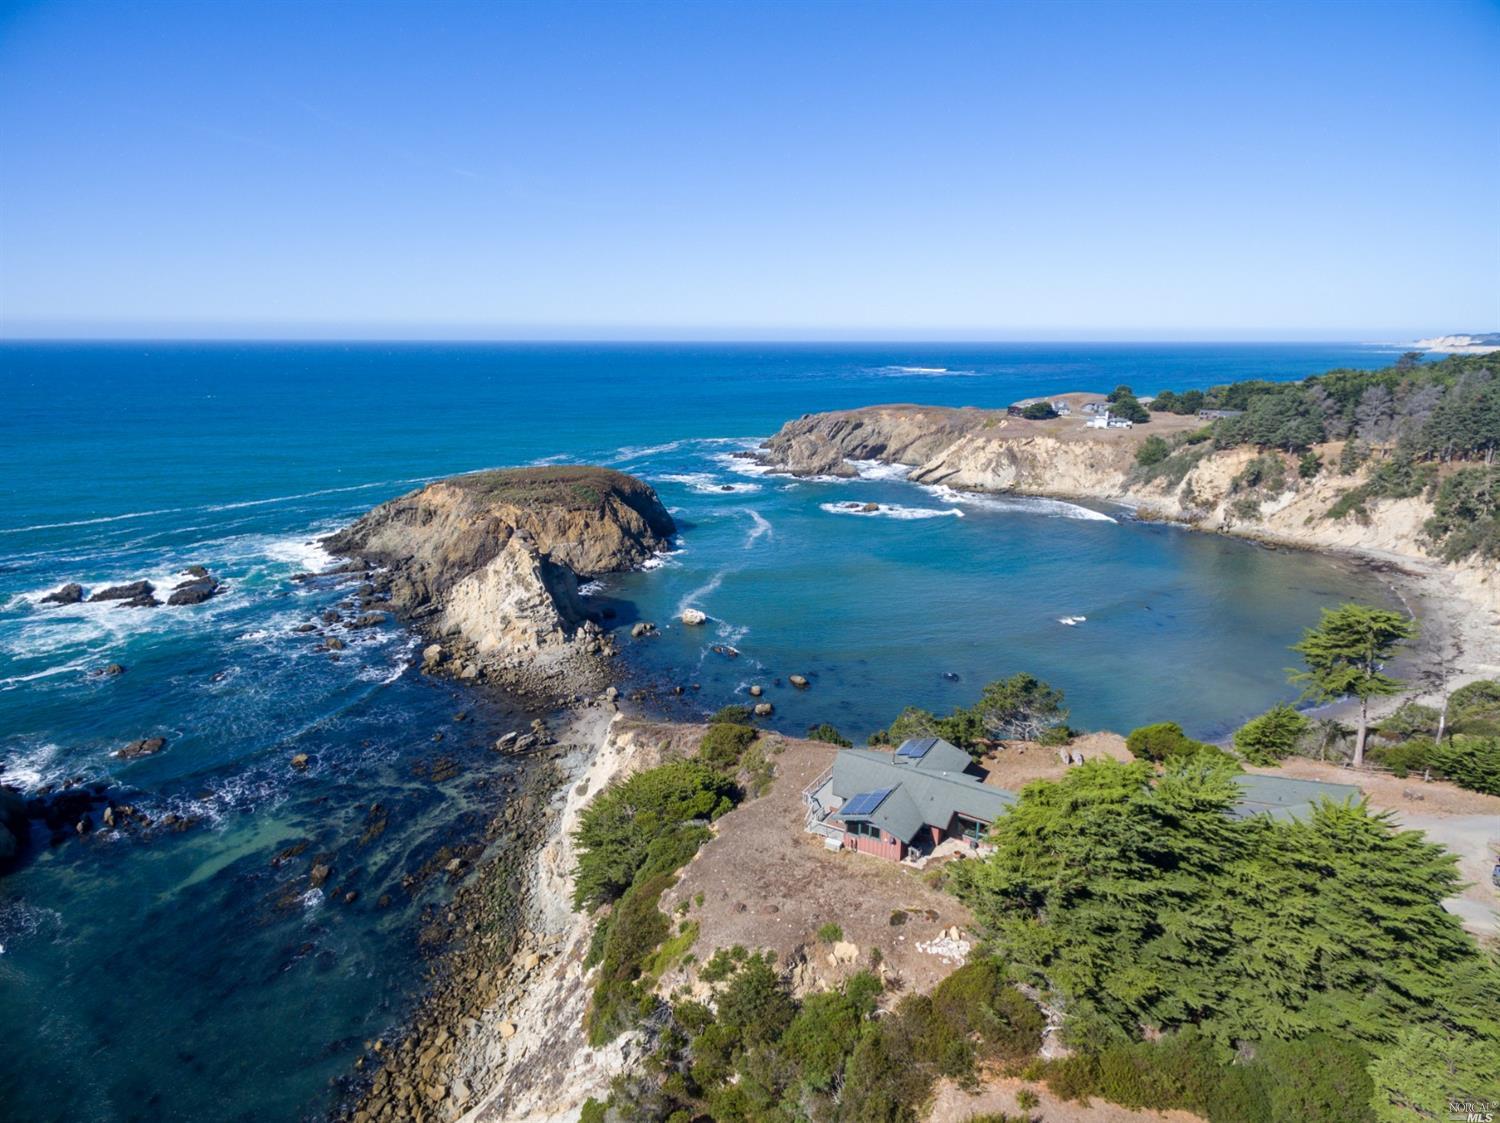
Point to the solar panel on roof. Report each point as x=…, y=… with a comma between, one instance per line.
x=865, y=802
x=916, y=746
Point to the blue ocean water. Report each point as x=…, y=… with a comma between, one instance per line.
x=193, y=977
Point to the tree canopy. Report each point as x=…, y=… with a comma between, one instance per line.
x=1346, y=655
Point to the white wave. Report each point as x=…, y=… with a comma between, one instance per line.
x=591, y=588
x=930, y=372
x=731, y=634
x=707, y=588
x=880, y=470
x=759, y=527
x=1019, y=504
x=626, y=453
x=307, y=555
x=890, y=511
x=213, y=506
x=708, y=484
x=312, y=899
x=742, y=465
x=31, y=769
x=94, y=522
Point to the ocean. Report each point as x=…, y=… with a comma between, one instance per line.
x=195, y=976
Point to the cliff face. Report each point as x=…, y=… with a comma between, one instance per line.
x=984, y=450
x=495, y=557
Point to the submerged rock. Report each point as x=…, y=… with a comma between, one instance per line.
x=70, y=593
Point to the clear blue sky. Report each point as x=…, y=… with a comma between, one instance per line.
x=749, y=170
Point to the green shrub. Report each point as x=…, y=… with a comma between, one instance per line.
x=1153, y=450
x=724, y=744
x=1273, y=735
x=1309, y=465
x=825, y=1030
x=1466, y=514
x=829, y=735
x=1026, y=1099
x=1405, y=757
x=1163, y=741
x=830, y=933
x=1317, y=1077
x=977, y=1000
x=731, y=715
x=1039, y=411
x=616, y=831
x=1410, y=720
x=1470, y=762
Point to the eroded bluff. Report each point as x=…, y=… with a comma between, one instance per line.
x=495, y=557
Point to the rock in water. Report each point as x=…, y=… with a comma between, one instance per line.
x=694, y=617
x=642, y=628
x=194, y=592
x=131, y=592
x=764, y=709
x=70, y=593
x=147, y=746
x=799, y=681
x=197, y=571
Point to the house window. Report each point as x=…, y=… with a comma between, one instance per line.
x=972, y=829
x=863, y=829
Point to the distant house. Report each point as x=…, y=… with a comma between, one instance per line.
x=1105, y=420
x=1062, y=407
x=1215, y=414
x=902, y=804
x=1096, y=407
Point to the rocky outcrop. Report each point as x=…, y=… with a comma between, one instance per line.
x=988, y=451
x=494, y=558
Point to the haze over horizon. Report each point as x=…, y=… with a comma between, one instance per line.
x=633, y=172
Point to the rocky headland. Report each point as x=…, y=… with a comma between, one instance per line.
x=488, y=566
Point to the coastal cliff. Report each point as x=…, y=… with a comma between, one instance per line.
x=489, y=563
x=1238, y=491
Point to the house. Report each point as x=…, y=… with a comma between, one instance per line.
x=1062, y=407
x=902, y=804
x=1100, y=406
x=1118, y=422
x=1100, y=420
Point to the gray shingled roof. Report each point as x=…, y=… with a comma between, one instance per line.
x=1282, y=797
x=930, y=796
x=932, y=754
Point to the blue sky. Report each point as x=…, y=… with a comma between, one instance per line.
x=749, y=170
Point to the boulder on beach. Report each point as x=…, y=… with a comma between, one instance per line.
x=694, y=617
x=71, y=593
x=131, y=591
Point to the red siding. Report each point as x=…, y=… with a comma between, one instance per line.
x=887, y=846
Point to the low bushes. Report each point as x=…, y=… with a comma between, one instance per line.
x=1316, y=1077
x=759, y=1055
